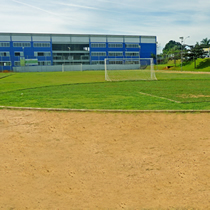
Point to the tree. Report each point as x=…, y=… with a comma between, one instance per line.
x=153, y=56
x=170, y=45
x=205, y=43
x=174, y=53
x=193, y=53
x=172, y=50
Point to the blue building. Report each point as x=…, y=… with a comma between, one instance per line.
x=20, y=49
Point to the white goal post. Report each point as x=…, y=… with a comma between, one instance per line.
x=129, y=69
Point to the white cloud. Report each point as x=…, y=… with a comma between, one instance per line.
x=34, y=7
x=167, y=20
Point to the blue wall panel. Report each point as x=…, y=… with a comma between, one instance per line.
x=145, y=51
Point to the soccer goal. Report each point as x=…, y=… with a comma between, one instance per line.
x=129, y=69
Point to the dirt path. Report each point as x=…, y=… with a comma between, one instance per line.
x=61, y=160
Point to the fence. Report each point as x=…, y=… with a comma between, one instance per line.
x=78, y=67
x=55, y=68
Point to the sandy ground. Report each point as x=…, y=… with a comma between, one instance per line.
x=63, y=160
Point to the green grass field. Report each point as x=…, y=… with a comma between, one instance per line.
x=202, y=64
x=88, y=90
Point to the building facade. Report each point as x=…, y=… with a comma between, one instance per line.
x=22, y=49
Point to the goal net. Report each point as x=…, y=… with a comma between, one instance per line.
x=129, y=69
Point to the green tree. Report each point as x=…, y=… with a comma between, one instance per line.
x=174, y=53
x=170, y=45
x=205, y=43
x=194, y=52
x=171, y=51
x=153, y=56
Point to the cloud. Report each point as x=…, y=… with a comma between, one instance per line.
x=168, y=20
x=35, y=7
x=81, y=6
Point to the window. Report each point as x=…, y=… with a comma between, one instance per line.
x=113, y=45
x=19, y=54
x=17, y=63
x=98, y=53
x=4, y=44
x=98, y=45
x=4, y=54
x=131, y=53
x=21, y=44
x=115, y=62
x=84, y=57
x=73, y=47
x=41, y=44
x=44, y=63
x=131, y=62
x=132, y=45
x=42, y=54
x=97, y=62
x=5, y=63
x=115, y=54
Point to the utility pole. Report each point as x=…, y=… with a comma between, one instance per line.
x=182, y=42
x=181, y=49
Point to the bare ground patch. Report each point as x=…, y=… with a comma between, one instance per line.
x=62, y=160
x=194, y=96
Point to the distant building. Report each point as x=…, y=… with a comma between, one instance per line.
x=207, y=50
x=18, y=49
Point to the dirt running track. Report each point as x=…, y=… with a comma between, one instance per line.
x=65, y=161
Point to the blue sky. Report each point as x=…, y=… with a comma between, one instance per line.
x=168, y=20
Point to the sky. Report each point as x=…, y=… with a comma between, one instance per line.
x=168, y=20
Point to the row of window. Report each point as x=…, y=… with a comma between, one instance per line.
x=36, y=54
x=5, y=63
x=43, y=44
x=98, y=45
x=21, y=44
x=110, y=62
x=3, y=54
x=132, y=53
x=132, y=45
x=40, y=44
x=48, y=54
x=25, y=44
x=115, y=54
x=97, y=62
x=98, y=53
x=113, y=45
x=116, y=62
x=42, y=54
x=40, y=63
x=19, y=54
x=44, y=63
x=4, y=44
x=123, y=62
